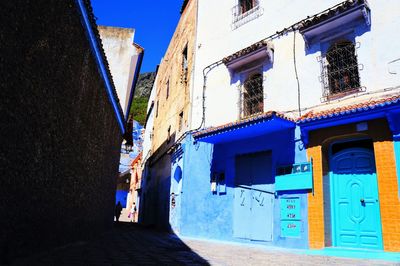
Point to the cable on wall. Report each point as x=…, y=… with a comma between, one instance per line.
x=295, y=71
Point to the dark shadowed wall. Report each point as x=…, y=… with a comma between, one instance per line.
x=59, y=137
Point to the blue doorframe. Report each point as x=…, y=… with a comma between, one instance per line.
x=355, y=208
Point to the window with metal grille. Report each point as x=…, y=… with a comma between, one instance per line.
x=340, y=70
x=157, y=108
x=184, y=64
x=180, y=123
x=167, y=89
x=252, y=100
x=169, y=134
x=245, y=11
x=246, y=5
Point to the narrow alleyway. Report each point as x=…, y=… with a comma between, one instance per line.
x=130, y=244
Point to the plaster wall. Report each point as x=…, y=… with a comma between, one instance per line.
x=172, y=96
x=208, y=215
x=147, y=136
x=60, y=138
x=170, y=115
x=144, y=210
x=122, y=57
x=217, y=39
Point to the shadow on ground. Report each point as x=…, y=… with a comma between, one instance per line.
x=126, y=244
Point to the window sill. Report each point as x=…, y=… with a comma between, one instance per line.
x=250, y=116
x=339, y=95
x=241, y=19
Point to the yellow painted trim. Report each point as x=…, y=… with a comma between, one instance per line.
x=388, y=194
x=315, y=202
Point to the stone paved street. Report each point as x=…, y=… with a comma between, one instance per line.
x=130, y=244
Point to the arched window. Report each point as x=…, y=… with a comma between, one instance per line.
x=253, y=96
x=342, y=68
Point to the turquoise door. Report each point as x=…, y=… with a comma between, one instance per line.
x=253, y=203
x=356, y=220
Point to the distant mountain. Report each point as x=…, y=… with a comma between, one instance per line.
x=144, y=84
x=141, y=96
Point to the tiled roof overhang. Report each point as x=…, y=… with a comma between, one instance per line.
x=261, y=50
x=388, y=108
x=340, y=17
x=246, y=128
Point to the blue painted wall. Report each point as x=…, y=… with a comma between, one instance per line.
x=206, y=214
x=121, y=196
x=176, y=190
x=301, y=242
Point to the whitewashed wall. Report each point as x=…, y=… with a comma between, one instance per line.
x=216, y=39
x=122, y=58
x=147, y=139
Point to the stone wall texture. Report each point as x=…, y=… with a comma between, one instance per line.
x=59, y=137
x=171, y=115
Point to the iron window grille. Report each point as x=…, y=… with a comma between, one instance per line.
x=169, y=134
x=167, y=93
x=185, y=65
x=180, y=122
x=340, y=71
x=252, y=96
x=245, y=11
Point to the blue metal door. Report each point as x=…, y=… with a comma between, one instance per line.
x=241, y=213
x=253, y=204
x=356, y=220
x=175, y=199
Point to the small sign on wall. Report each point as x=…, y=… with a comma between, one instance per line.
x=290, y=209
x=290, y=228
x=290, y=217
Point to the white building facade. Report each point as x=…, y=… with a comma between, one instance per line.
x=295, y=112
x=124, y=59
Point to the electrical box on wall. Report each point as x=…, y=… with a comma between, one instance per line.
x=218, y=183
x=294, y=177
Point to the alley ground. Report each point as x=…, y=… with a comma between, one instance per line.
x=131, y=244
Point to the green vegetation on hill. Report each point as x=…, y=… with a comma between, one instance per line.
x=142, y=93
x=139, y=109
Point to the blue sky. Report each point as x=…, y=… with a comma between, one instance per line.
x=154, y=22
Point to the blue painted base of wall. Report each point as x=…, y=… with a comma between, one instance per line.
x=209, y=215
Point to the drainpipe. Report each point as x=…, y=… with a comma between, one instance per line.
x=99, y=60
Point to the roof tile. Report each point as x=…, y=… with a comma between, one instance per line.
x=331, y=12
x=248, y=120
x=354, y=108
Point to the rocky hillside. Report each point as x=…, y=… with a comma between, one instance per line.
x=144, y=84
x=141, y=96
